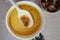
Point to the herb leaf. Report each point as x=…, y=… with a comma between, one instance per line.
x=40, y=37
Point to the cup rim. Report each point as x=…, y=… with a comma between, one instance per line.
x=28, y=3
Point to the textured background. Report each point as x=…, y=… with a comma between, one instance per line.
x=51, y=29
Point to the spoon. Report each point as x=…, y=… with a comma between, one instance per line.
x=22, y=12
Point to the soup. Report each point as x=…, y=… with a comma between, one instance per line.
x=18, y=28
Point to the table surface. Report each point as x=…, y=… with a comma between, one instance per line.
x=51, y=30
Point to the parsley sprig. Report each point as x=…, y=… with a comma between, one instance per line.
x=40, y=37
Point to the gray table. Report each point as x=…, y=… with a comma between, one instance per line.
x=51, y=29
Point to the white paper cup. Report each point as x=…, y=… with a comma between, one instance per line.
x=41, y=13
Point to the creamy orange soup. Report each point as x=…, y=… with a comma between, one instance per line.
x=18, y=28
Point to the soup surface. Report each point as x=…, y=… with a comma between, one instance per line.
x=16, y=25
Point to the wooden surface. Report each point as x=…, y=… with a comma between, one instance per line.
x=51, y=30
